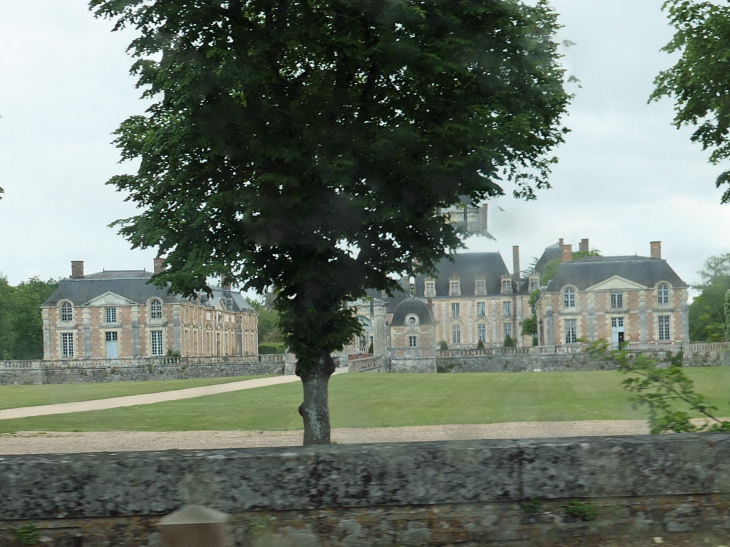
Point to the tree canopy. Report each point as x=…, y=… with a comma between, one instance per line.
x=700, y=80
x=707, y=318
x=306, y=147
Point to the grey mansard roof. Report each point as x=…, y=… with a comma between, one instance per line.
x=467, y=267
x=591, y=270
x=551, y=253
x=132, y=285
x=412, y=306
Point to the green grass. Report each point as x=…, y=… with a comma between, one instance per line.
x=19, y=396
x=388, y=400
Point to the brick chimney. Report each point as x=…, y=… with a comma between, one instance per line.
x=225, y=283
x=516, y=263
x=159, y=267
x=656, y=249
x=560, y=242
x=77, y=269
x=583, y=245
x=567, y=252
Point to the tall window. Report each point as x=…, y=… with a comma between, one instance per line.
x=455, y=334
x=67, y=312
x=481, y=309
x=411, y=341
x=663, y=321
x=155, y=309
x=481, y=287
x=663, y=294
x=111, y=315
x=454, y=309
x=534, y=284
x=454, y=287
x=617, y=300
x=507, y=328
x=507, y=309
x=482, y=332
x=617, y=321
x=430, y=288
x=569, y=298
x=571, y=330
x=506, y=286
x=67, y=344
x=156, y=342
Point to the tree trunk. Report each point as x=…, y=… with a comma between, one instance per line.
x=315, y=408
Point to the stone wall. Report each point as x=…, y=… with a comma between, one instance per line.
x=546, y=492
x=129, y=370
x=368, y=364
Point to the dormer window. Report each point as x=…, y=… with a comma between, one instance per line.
x=534, y=283
x=454, y=287
x=155, y=309
x=480, y=287
x=663, y=294
x=506, y=286
x=429, y=288
x=67, y=312
x=412, y=320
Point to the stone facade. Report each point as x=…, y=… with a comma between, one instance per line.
x=546, y=492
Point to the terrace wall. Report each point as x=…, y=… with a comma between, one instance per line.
x=492, y=492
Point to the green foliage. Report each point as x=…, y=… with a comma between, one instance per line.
x=172, y=353
x=271, y=347
x=443, y=346
x=534, y=341
x=529, y=326
x=27, y=534
x=699, y=81
x=707, y=317
x=307, y=147
x=531, y=507
x=662, y=386
x=582, y=254
x=370, y=348
x=509, y=342
x=585, y=510
x=549, y=271
x=268, y=320
x=480, y=345
x=727, y=315
x=444, y=369
x=21, y=325
x=534, y=297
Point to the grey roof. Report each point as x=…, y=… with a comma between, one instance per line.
x=412, y=306
x=588, y=271
x=551, y=253
x=391, y=302
x=132, y=285
x=467, y=267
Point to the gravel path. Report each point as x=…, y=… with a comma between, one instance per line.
x=121, y=441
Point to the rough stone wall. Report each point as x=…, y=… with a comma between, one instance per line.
x=493, y=492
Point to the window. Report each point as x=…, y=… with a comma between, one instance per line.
x=617, y=321
x=663, y=294
x=534, y=284
x=481, y=309
x=67, y=312
x=430, y=288
x=412, y=320
x=507, y=309
x=506, y=286
x=411, y=341
x=110, y=336
x=481, y=287
x=156, y=342
x=663, y=321
x=67, y=344
x=155, y=309
x=617, y=300
x=507, y=328
x=455, y=334
x=571, y=329
x=482, y=332
x=111, y=315
x=454, y=287
x=454, y=309
x=569, y=298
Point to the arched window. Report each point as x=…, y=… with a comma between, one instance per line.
x=569, y=298
x=67, y=312
x=155, y=309
x=663, y=294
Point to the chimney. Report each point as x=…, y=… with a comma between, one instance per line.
x=516, y=263
x=656, y=249
x=225, y=283
x=77, y=269
x=560, y=242
x=159, y=267
x=567, y=252
x=405, y=284
x=583, y=245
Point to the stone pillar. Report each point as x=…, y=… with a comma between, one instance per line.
x=136, y=349
x=643, y=329
x=194, y=526
x=87, y=333
x=550, y=327
x=45, y=314
x=176, y=329
x=685, y=319
x=591, y=315
x=519, y=317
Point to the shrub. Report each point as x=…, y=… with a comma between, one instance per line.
x=509, y=342
x=266, y=348
x=443, y=346
x=480, y=345
x=370, y=349
x=584, y=510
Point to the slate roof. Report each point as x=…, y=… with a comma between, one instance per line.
x=588, y=271
x=412, y=306
x=391, y=302
x=467, y=267
x=133, y=285
x=551, y=253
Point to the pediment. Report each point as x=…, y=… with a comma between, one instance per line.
x=109, y=299
x=614, y=283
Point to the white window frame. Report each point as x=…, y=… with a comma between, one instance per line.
x=67, y=312
x=506, y=286
x=617, y=322
x=663, y=328
x=156, y=343
x=481, y=332
x=480, y=287
x=617, y=300
x=481, y=309
x=571, y=331
x=429, y=288
x=456, y=334
x=507, y=330
x=412, y=341
x=506, y=309
x=662, y=294
x=454, y=287
x=569, y=298
x=455, y=309
x=110, y=314
x=534, y=284
x=155, y=309
x=67, y=345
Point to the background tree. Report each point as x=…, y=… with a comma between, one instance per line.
x=727, y=315
x=551, y=268
x=707, y=317
x=306, y=147
x=700, y=80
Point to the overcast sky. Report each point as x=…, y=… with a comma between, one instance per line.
x=626, y=176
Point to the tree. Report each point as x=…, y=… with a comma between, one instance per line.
x=707, y=317
x=700, y=80
x=727, y=316
x=306, y=147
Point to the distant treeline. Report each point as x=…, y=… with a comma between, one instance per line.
x=21, y=326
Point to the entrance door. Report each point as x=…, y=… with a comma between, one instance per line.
x=617, y=332
x=111, y=346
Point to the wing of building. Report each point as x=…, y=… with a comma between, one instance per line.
x=119, y=314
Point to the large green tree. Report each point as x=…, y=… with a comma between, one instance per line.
x=699, y=81
x=306, y=147
x=707, y=317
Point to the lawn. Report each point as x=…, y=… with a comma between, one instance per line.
x=19, y=396
x=389, y=400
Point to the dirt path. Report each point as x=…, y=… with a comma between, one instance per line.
x=122, y=441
